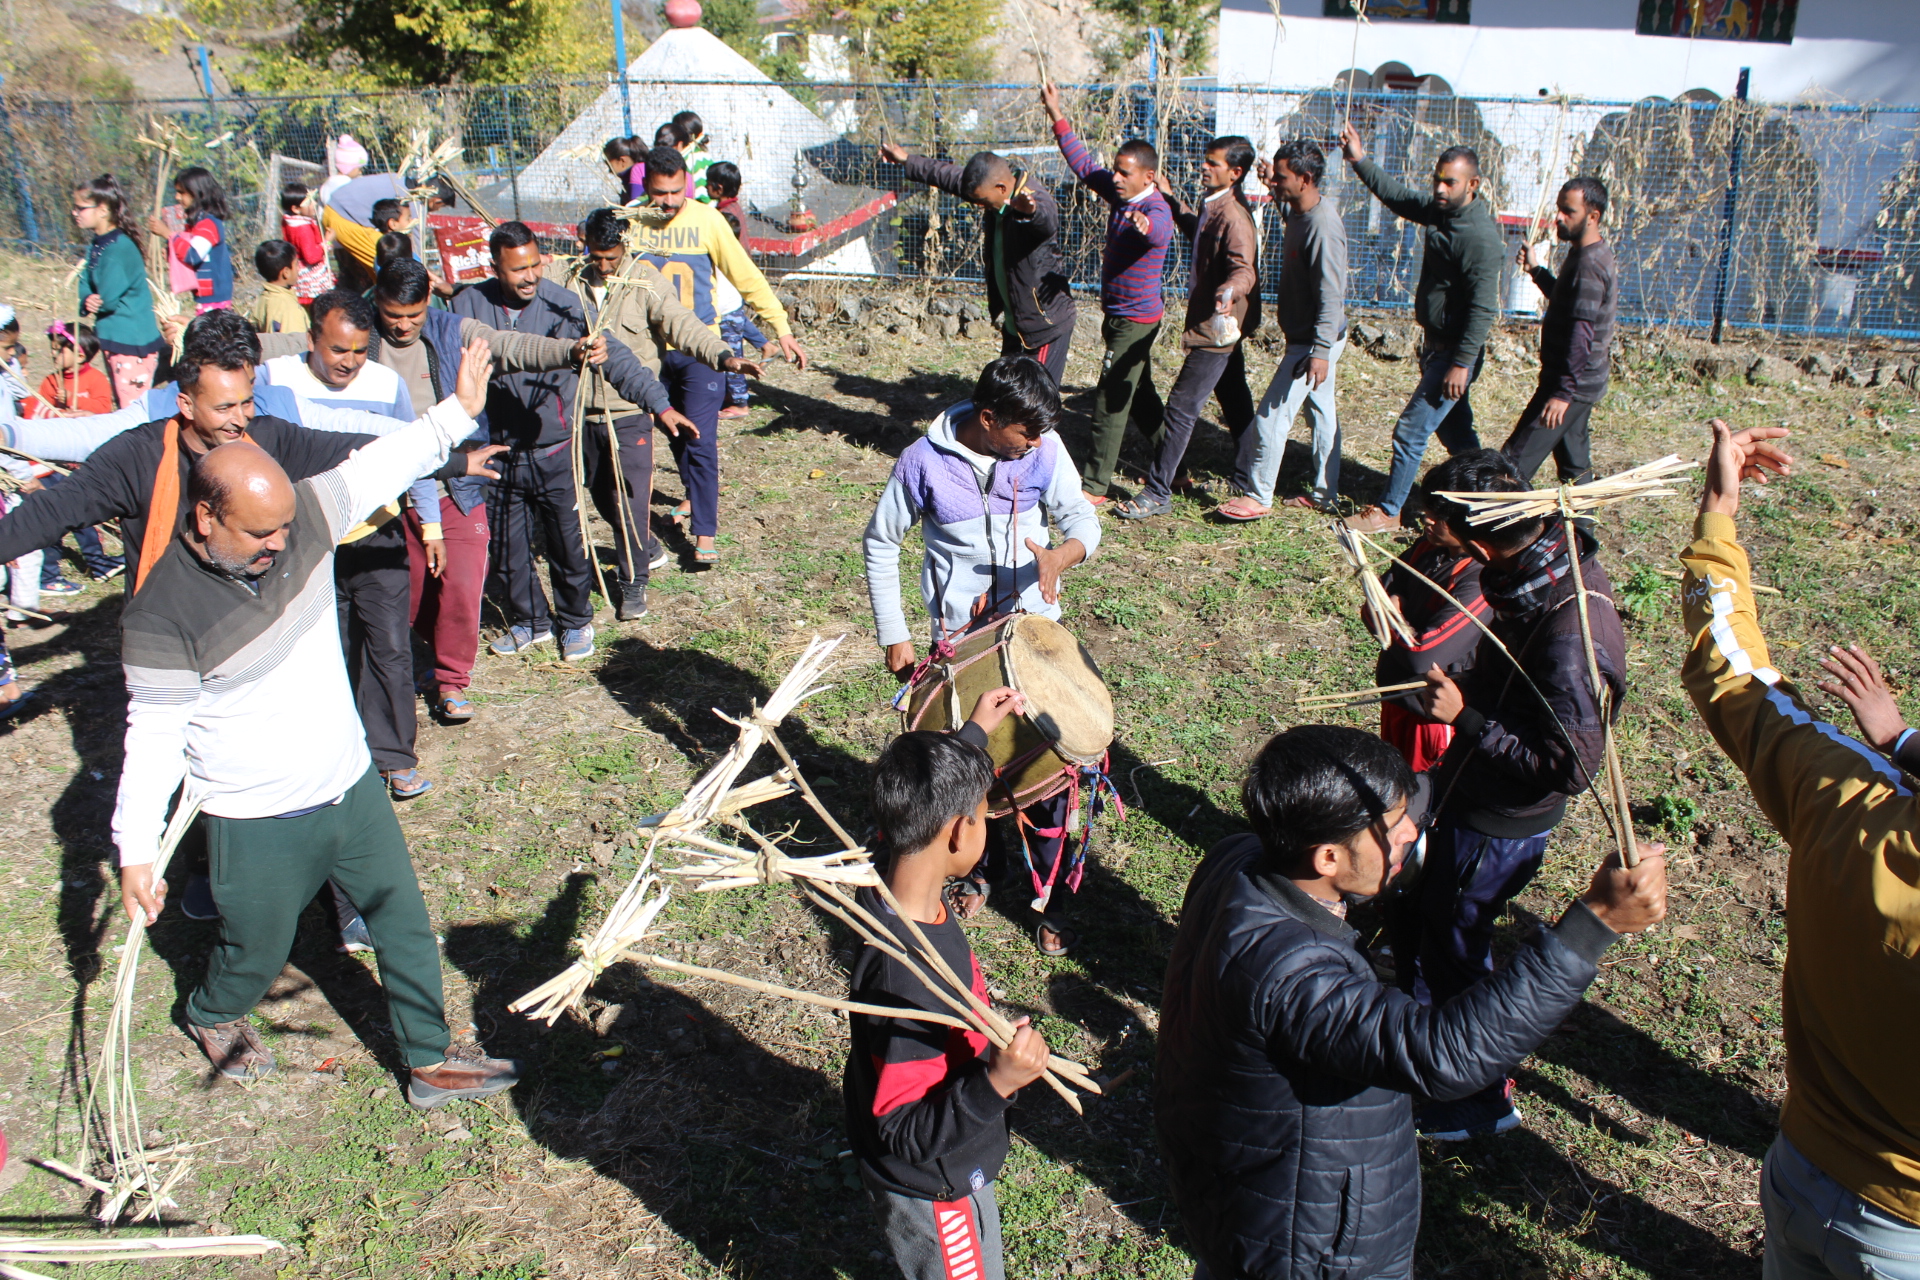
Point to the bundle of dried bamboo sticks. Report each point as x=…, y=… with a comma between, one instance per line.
x=1499, y=509
x=1383, y=615
x=827, y=879
x=1327, y=701
x=113, y=1100
x=711, y=797
x=15, y=1249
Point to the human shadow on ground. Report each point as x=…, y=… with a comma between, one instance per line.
x=909, y=404
x=1538, y=1187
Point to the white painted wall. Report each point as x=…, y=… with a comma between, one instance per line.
x=1850, y=50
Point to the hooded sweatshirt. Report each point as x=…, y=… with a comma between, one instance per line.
x=975, y=514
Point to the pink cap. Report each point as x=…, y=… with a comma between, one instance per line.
x=348, y=154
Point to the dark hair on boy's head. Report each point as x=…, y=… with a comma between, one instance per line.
x=354, y=308
x=1320, y=784
x=440, y=189
x=1451, y=154
x=689, y=123
x=293, y=195
x=666, y=160
x=1593, y=192
x=394, y=244
x=1018, y=389
x=670, y=135
x=384, y=213
x=982, y=168
x=1478, y=471
x=602, y=229
x=723, y=179
x=1304, y=157
x=65, y=337
x=923, y=781
x=402, y=282
x=1140, y=151
x=624, y=149
x=221, y=339
x=272, y=258
x=509, y=235
x=209, y=200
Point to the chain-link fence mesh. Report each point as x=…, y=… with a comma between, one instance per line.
x=1790, y=219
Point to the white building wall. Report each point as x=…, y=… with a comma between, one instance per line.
x=1849, y=50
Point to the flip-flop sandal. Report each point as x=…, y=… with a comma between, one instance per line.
x=8, y=708
x=706, y=555
x=1141, y=508
x=455, y=709
x=682, y=514
x=1243, y=509
x=967, y=896
x=1097, y=499
x=1300, y=500
x=1066, y=938
x=405, y=784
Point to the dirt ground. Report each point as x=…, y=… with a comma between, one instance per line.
x=679, y=1128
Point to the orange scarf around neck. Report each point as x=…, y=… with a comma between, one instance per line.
x=163, y=509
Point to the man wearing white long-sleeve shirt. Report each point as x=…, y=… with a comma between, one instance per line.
x=237, y=689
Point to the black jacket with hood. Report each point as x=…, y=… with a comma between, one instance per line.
x=1042, y=300
x=1283, y=1089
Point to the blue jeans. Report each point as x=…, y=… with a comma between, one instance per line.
x=698, y=392
x=1443, y=938
x=1262, y=449
x=1427, y=413
x=737, y=329
x=1819, y=1230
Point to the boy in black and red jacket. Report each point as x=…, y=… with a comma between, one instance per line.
x=1443, y=636
x=926, y=1103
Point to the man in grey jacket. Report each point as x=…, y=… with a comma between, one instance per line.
x=1312, y=310
x=1456, y=302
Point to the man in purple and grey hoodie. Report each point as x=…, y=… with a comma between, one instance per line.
x=1139, y=228
x=982, y=485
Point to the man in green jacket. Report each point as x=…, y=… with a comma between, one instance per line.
x=1456, y=301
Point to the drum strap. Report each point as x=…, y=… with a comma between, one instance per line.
x=1100, y=788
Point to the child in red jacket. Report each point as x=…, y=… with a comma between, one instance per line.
x=75, y=387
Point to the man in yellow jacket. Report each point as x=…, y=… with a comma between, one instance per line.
x=1841, y=1186
x=688, y=242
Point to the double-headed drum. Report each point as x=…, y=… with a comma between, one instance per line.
x=1069, y=717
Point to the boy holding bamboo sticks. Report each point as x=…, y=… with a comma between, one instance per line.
x=927, y=1103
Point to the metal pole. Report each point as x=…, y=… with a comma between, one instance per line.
x=29, y=224
x=513, y=147
x=206, y=80
x=1721, y=277
x=620, y=69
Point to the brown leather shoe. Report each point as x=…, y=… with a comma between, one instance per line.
x=467, y=1073
x=1373, y=520
x=234, y=1049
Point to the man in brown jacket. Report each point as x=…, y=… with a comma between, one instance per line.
x=628, y=298
x=1223, y=308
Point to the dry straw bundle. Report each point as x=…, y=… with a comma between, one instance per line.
x=1383, y=615
x=828, y=880
x=133, y=1175
x=1498, y=509
x=46, y=1249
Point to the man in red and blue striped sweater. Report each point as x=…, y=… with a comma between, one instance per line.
x=1139, y=228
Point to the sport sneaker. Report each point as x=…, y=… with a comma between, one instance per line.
x=111, y=572
x=521, y=639
x=1487, y=1112
x=198, y=901
x=467, y=1073
x=234, y=1049
x=660, y=556
x=577, y=645
x=632, y=604
x=61, y=587
x=354, y=935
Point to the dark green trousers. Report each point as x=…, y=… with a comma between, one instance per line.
x=1126, y=391
x=266, y=870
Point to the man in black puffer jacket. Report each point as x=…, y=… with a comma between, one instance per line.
x=1283, y=1089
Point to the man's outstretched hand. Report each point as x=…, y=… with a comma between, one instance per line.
x=1049, y=561
x=893, y=152
x=476, y=367
x=1350, y=145
x=479, y=463
x=1050, y=99
x=1858, y=682
x=1737, y=456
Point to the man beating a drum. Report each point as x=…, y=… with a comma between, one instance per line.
x=982, y=485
